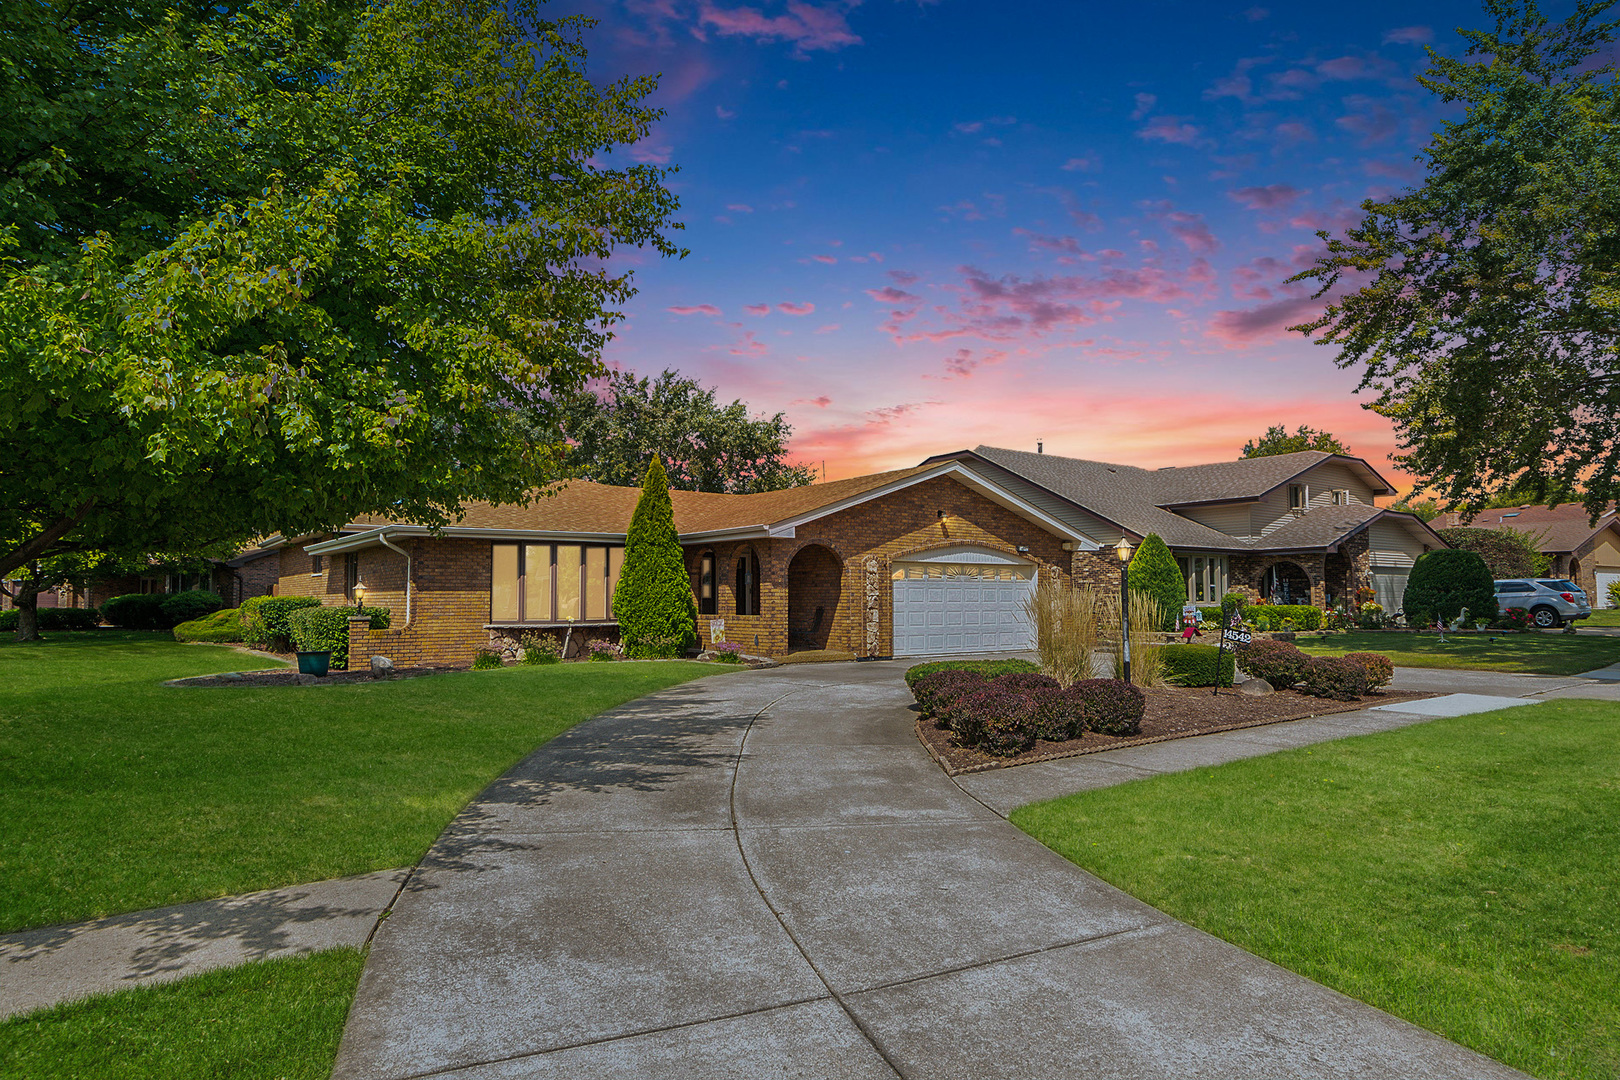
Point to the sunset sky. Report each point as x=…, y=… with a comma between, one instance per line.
x=916, y=227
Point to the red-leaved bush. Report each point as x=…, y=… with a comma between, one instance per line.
x=936, y=693
x=1112, y=706
x=1280, y=663
x=1336, y=677
x=1380, y=670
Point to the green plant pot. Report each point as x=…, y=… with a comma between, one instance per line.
x=314, y=663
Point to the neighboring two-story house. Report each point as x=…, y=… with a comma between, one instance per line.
x=933, y=560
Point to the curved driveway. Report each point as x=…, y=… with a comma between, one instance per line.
x=763, y=874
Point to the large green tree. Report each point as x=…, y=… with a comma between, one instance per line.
x=268, y=265
x=1276, y=440
x=1483, y=306
x=620, y=426
x=1154, y=572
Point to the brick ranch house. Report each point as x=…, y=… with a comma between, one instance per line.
x=930, y=560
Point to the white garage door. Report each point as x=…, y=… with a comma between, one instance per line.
x=1605, y=578
x=1389, y=586
x=962, y=600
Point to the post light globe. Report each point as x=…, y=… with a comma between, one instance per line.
x=359, y=593
x=1123, y=549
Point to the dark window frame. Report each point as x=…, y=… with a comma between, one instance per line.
x=351, y=573
x=747, y=585
x=521, y=582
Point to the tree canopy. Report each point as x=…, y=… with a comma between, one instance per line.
x=265, y=266
x=624, y=424
x=1276, y=440
x=1483, y=306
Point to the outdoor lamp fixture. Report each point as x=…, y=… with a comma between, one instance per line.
x=1123, y=550
x=359, y=595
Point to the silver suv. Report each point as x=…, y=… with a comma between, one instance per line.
x=1550, y=601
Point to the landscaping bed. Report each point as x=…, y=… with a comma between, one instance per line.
x=291, y=677
x=1172, y=713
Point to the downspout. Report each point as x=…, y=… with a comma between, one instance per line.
x=382, y=538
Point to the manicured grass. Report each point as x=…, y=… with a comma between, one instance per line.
x=119, y=794
x=1602, y=617
x=1459, y=873
x=1531, y=653
x=273, y=1019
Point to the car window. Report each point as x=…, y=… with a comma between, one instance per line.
x=1558, y=583
x=1514, y=587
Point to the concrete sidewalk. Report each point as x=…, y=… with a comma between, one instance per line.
x=53, y=964
x=764, y=874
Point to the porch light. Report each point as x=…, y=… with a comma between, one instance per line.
x=1123, y=549
x=359, y=595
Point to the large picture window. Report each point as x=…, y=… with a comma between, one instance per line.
x=549, y=583
x=748, y=583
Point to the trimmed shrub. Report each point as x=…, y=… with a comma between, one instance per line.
x=653, y=601
x=1278, y=662
x=989, y=669
x=1061, y=714
x=192, y=604
x=1445, y=581
x=265, y=619
x=486, y=660
x=1194, y=665
x=1614, y=594
x=1027, y=682
x=1305, y=616
x=1110, y=706
x=222, y=625
x=998, y=721
x=326, y=629
x=1154, y=571
x=540, y=649
x=938, y=691
x=1378, y=667
x=1336, y=677
x=136, y=611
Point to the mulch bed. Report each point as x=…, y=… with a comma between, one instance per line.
x=1172, y=713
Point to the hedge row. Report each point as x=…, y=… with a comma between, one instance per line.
x=264, y=619
x=326, y=629
x=1305, y=616
x=1194, y=665
x=158, y=611
x=1004, y=715
x=53, y=619
x=1344, y=678
x=987, y=669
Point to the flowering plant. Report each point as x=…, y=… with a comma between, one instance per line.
x=728, y=652
x=605, y=650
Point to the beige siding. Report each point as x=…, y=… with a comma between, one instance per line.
x=1231, y=520
x=1324, y=479
x=1270, y=513
x=1606, y=556
x=1393, y=545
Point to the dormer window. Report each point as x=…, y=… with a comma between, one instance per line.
x=1341, y=497
x=1298, y=498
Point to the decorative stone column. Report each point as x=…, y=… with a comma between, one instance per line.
x=872, y=612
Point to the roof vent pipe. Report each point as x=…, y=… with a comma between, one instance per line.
x=382, y=538
x=1040, y=447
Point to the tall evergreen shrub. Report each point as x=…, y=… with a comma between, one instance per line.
x=1154, y=570
x=1445, y=581
x=653, y=602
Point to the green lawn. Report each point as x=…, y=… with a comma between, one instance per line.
x=1535, y=654
x=269, y=1020
x=120, y=794
x=1460, y=873
x=1602, y=617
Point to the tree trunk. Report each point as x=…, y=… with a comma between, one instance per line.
x=28, y=610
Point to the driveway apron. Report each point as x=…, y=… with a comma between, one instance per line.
x=763, y=874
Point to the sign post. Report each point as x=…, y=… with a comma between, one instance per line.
x=1231, y=630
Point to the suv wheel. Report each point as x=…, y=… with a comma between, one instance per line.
x=1546, y=618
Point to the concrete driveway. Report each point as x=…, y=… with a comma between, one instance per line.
x=763, y=874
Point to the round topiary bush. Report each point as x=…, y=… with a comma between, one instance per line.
x=1336, y=677
x=192, y=604
x=1112, y=706
x=136, y=611
x=1446, y=581
x=1280, y=663
x=1378, y=668
x=1154, y=571
x=936, y=693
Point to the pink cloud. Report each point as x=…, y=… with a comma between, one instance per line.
x=1270, y=197
x=1267, y=322
x=651, y=155
x=1345, y=68
x=1066, y=245
x=1409, y=35
x=1371, y=119
x=964, y=362
x=828, y=259
x=758, y=309
x=1293, y=131
x=724, y=113
x=1088, y=163
x=891, y=295
x=796, y=309
x=970, y=128
x=1144, y=105
x=695, y=309
x=819, y=402
x=1404, y=172
x=749, y=346
x=1171, y=129
x=903, y=277
x=829, y=328
x=1256, y=14
x=739, y=208
x=807, y=27
x=1193, y=231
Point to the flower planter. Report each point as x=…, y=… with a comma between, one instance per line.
x=314, y=663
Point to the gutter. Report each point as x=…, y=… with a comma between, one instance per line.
x=382, y=538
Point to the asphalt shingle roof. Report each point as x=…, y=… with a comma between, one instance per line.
x=1559, y=528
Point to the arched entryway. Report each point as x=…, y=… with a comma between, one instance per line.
x=815, y=583
x=1285, y=583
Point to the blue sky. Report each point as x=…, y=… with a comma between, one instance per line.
x=918, y=227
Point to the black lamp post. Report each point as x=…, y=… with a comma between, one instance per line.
x=1123, y=550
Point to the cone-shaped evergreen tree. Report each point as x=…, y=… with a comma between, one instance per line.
x=653, y=602
x=1154, y=570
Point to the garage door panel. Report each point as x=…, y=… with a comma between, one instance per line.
x=948, y=609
